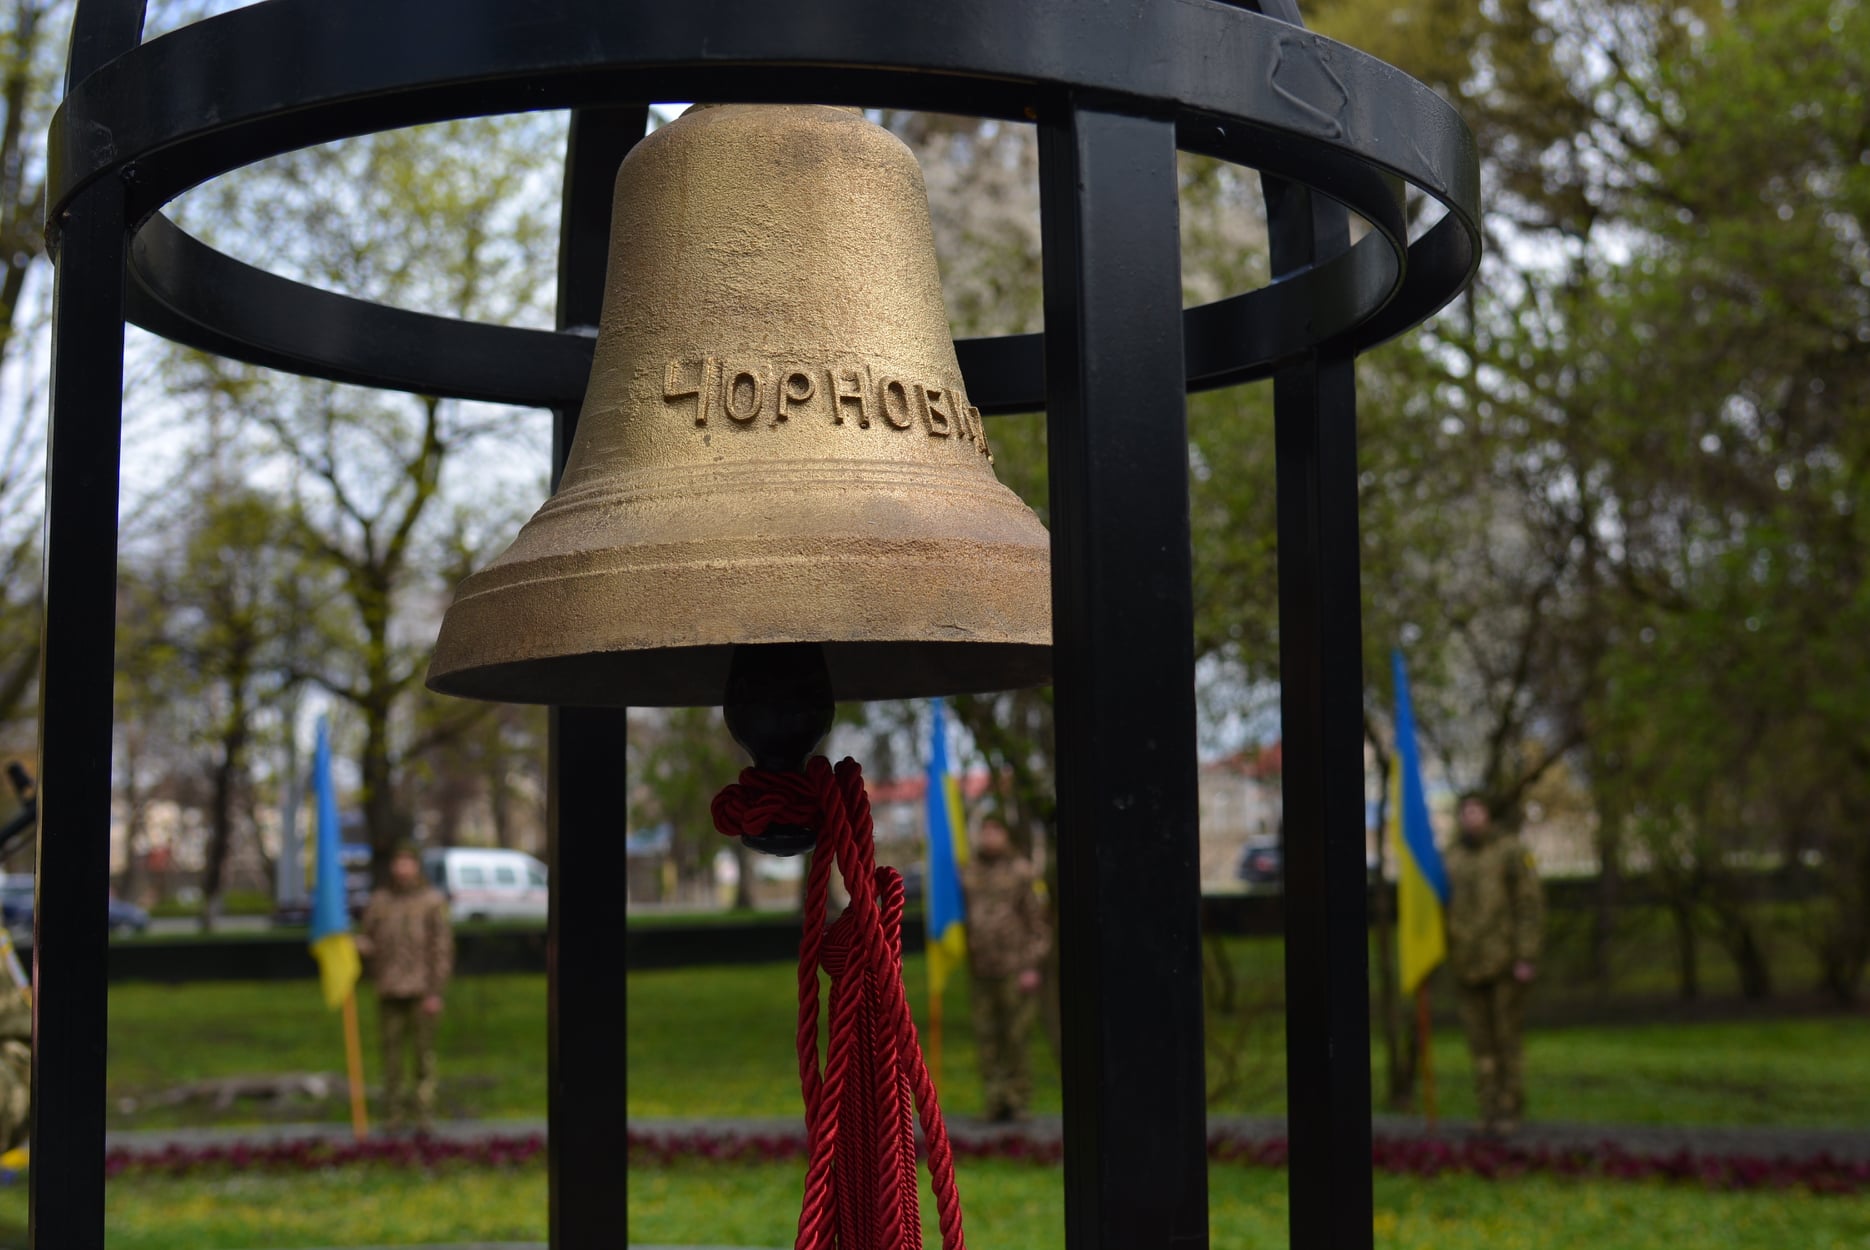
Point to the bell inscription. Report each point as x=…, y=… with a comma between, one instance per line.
x=744, y=390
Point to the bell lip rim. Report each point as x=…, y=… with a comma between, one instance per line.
x=887, y=594
x=1008, y=666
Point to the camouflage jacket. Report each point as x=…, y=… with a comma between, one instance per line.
x=1008, y=931
x=1496, y=908
x=406, y=936
x=15, y=1066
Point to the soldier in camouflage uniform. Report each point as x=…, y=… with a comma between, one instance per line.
x=407, y=937
x=15, y=1066
x=1008, y=935
x=1496, y=919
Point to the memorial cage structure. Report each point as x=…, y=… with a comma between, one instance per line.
x=1114, y=90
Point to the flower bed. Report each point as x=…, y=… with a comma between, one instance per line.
x=311, y=1154
x=1488, y=1160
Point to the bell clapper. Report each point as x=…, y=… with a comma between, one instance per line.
x=778, y=706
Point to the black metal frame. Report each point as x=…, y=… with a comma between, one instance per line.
x=1115, y=91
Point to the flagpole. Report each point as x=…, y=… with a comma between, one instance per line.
x=943, y=828
x=354, y=1067
x=1425, y=1054
x=331, y=942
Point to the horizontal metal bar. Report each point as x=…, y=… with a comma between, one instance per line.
x=1317, y=113
x=186, y=291
x=263, y=79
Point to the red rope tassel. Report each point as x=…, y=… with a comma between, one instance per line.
x=861, y=1109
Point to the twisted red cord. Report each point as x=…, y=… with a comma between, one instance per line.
x=861, y=1110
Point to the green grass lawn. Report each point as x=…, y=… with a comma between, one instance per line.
x=492, y=1041
x=1006, y=1204
x=1808, y=1071
x=717, y=1041
x=1010, y=1204
x=354, y=1206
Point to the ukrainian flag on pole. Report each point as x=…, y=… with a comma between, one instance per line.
x=1421, y=881
x=332, y=946
x=947, y=833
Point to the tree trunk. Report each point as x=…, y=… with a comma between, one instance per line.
x=383, y=822
x=1399, y=1060
x=1604, y=902
x=743, y=882
x=130, y=885
x=448, y=818
x=250, y=812
x=221, y=818
x=1756, y=974
x=691, y=866
x=1841, y=966
x=1688, y=974
x=1844, y=952
x=215, y=855
x=500, y=804
x=1740, y=938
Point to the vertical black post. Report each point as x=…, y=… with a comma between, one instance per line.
x=1321, y=706
x=585, y=804
x=70, y=941
x=101, y=30
x=77, y=661
x=1123, y=669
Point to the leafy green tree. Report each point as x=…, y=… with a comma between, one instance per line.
x=679, y=760
x=32, y=42
x=1727, y=358
x=212, y=630
x=498, y=760
x=451, y=219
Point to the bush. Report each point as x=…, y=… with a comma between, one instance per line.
x=233, y=903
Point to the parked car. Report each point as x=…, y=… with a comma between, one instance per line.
x=16, y=909
x=16, y=903
x=1262, y=862
x=127, y=917
x=487, y=884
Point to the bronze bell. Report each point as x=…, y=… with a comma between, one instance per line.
x=776, y=447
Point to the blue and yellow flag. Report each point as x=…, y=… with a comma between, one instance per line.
x=332, y=945
x=1421, y=881
x=947, y=832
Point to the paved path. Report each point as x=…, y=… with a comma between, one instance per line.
x=1650, y=1139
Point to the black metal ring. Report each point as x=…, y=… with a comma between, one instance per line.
x=190, y=293
x=268, y=78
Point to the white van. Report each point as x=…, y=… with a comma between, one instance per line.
x=487, y=884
